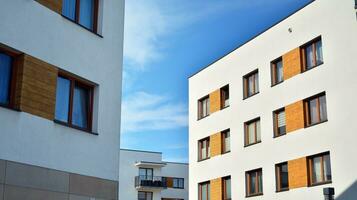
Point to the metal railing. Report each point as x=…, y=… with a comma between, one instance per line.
x=151, y=181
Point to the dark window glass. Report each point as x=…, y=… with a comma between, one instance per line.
x=252, y=132
x=226, y=141
x=178, y=183
x=144, y=195
x=279, y=122
x=204, y=149
x=313, y=54
x=277, y=71
x=62, y=99
x=80, y=106
x=316, y=109
x=86, y=13
x=69, y=9
x=254, y=182
x=320, y=169
x=146, y=173
x=204, y=191
x=203, y=107
x=225, y=96
x=227, y=188
x=282, y=177
x=5, y=78
x=251, y=84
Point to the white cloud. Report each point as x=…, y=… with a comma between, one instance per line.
x=142, y=111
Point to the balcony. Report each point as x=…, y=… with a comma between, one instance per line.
x=150, y=182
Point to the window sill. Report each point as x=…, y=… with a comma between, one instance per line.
x=225, y=107
x=282, y=190
x=272, y=85
x=276, y=136
x=225, y=152
x=321, y=183
x=200, y=160
x=254, y=195
x=250, y=96
x=310, y=125
x=74, y=127
x=305, y=70
x=248, y=145
x=82, y=26
x=203, y=117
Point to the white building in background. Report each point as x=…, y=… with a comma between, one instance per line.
x=145, y=176
x=275, y=118
x=60, y=98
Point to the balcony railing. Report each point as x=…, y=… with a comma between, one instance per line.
x=150, y=181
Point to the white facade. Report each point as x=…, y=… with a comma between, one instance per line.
x=30, y=27
x=336, y=22
x=130, y=163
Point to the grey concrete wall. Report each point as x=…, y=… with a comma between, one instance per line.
x=26, y=182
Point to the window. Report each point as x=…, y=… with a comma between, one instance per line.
x=204, y=191
x=178, y=183
x=254, y=183
x=312, y=54
x=227, y=188
x=144, y=195
x=83, y=12
x=146, y=173
x=204, y=149
x=282, y=176
x=315, y=109
x=252, y=132
x=203, y=107
x=279, y=122
x=320, y=169
x=5, y=78
x=226, y=141
x=74, y=103
x=225, y=97
x=251, y=84
x=277, y=71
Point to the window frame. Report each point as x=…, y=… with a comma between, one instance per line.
x=312, y=42
x=178, y=179
x=83, y=84
x=310, y=169
x=13, y=78
x=246, y=132
x=307, y=110
x=273, y=69
x=146, y=173
x=278, y=177
x=200, y=107
x=258, y=172
x=208, y=149
x=275, y=122
x=200, y=189
x=224, y=187
x=146, y=194
x=254, y=73
x=224, y=90
x=77, y=16
x=223, y=136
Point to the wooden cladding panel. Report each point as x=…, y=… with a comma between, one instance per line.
x=215, y=101
x=294, y=114
x=216, y=189
x=55, y=5
x=298, y=176
x=169, y=182
x=292, y=63
x=216, y=144
x=36, y=87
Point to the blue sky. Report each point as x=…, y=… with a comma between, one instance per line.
x=165, y=42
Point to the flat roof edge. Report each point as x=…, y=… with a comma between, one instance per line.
x=249, y=40
x=143, y=151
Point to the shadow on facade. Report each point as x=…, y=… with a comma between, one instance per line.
x=349, y=194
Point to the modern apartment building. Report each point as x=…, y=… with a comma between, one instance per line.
x=274, y=119
x=145, y=176
x=60, y=97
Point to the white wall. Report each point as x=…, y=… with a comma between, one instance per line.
x=34, y=29
x=128, y=171
x=335, y=21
